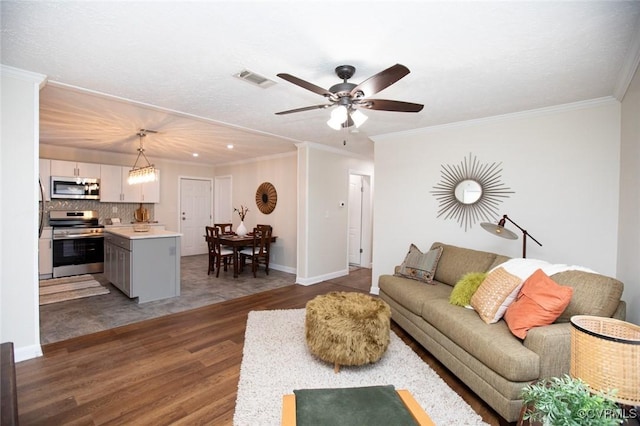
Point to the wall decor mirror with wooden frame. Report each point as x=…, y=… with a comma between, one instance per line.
x=266, y=197
x=470, y=191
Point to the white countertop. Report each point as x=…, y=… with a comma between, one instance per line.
x=124, y=225
x=128, y=232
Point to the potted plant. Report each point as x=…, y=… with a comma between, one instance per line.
x=567, y=401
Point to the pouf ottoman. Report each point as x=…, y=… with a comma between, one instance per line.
x=347, y=328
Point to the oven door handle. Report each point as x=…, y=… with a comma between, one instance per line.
x=75, y=237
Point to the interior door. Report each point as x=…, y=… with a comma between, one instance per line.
x=355, y=219
x=195, y=214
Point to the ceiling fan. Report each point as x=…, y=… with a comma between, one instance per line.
x=349, y=96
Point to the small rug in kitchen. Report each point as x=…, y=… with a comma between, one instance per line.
x=69, y=288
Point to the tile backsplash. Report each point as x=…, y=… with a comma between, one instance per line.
x=125, y=211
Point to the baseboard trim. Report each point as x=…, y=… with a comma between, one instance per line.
x=319, y=278
x=282, y=268
x=27, y=352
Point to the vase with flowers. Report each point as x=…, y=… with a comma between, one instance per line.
x=241, y=230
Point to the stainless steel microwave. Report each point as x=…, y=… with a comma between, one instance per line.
x=77, y=188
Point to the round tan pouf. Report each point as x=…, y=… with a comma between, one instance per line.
x=347, y=328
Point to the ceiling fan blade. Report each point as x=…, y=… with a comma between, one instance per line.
x=309, y=108
x=387, y=105
x=305, y=84
x=381, y=81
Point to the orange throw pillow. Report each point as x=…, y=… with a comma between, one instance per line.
x=540, y=302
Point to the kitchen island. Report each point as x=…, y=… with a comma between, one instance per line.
x=143, y=265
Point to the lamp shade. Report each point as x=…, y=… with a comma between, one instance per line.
x=605, y=354
x=499, y=230
x=358, y=118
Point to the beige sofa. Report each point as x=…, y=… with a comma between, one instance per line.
x=488, y=357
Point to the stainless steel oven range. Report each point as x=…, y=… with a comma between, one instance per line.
x=78, y=242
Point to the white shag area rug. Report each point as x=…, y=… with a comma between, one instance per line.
x=276, y=361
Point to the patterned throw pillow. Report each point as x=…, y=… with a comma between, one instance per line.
x=465, y=288
x=420, y=266
x=495, y=294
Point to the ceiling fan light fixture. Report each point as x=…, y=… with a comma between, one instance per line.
x=358, y=117
x=142, y=174
x=338, y=117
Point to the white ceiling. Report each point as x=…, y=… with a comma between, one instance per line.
x=116, y=67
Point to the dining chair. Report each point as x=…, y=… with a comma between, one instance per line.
x=225, y=228
x=259, y=252
x=217, y=255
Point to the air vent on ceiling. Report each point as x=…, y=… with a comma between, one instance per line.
x=254, y=78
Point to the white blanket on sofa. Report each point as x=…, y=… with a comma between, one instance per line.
x=523, y=268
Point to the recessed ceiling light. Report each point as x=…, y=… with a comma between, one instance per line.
x=230, y=146
x=195, y=154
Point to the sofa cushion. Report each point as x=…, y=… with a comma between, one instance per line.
x=418, y=265
x=457, y=261
x=465, y=288
x=410, y=293
x=593, y=294
x=491, y=344
x=540, y=302
x=495, y=294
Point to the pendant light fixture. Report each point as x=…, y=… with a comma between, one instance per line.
x=144, y=173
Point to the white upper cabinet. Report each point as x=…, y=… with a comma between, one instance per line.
x=151, y=190
x=45, y=179
x=114, y=187
x=73, y=168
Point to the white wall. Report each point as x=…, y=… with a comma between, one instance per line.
x=562, y=163
x=19, y=313
x=281, y=172
x=629, y=236
x=323, y=183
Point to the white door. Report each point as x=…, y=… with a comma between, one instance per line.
x=355, y=219
x=195, y=214
x=222, y=206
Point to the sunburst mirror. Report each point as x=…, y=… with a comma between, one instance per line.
x=266, y=197
x=470, y=191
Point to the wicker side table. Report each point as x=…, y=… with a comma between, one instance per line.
x=605, y=354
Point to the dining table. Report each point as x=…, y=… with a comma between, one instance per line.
x=237, y=242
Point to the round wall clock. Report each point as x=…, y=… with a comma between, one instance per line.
x=266, y=197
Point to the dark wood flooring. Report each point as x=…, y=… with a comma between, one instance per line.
x=177, y=369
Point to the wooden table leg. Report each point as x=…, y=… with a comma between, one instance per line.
x=236, y=261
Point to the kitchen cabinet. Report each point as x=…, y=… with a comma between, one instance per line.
x=45, y=254
x=143, y=265
x=114, y=187
x=45, y=179
x=73, y=168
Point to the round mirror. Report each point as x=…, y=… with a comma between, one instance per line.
x=468, y=191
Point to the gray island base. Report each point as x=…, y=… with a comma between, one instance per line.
x=143, y=265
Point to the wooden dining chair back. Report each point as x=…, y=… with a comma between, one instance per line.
x=259, y=252
x=225, y=228
x=218, y=256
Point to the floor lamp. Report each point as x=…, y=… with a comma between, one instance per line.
x=501, y=231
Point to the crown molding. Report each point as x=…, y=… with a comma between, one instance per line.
x=332, y=149
x=504, y=117
x=20, y=74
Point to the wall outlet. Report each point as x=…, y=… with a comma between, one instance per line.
x=114, y=209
